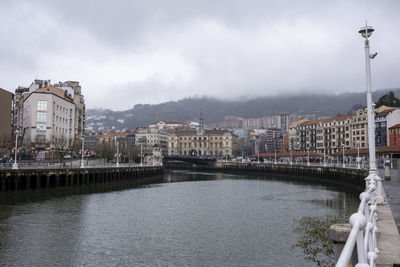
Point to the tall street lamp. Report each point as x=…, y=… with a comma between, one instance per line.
x=291, y=157
x=324, y=158
x=344, y=165
x=117, y=143
x=358, y=154
x=275, y=157
x=308, y=156
x=83, y=149
x=15, y=164
x=373, y=175
x=141, y=156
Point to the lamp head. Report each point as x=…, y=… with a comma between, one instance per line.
x=366, y=31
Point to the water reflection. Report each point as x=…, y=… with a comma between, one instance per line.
x=183, y=218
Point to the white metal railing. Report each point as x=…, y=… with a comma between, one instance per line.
x=363, y=231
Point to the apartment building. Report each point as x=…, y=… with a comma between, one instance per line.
x=148, y=138
x=394, y=135
x=75, y=91
x=6, y=113
x=48, y=118
x=294, y=142
x=385, y=118
x=346, y=132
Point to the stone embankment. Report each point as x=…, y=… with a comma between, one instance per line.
x=67, y=177
x=331, y=175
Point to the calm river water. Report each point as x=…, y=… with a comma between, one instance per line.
x=181, y=219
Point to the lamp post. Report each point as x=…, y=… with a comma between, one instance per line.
x=15, y=164
x=275, y=157
x=358, y=154
x=373, y=175
x=291, y=157
x=308, y=156
x=324, y=158
x=117, y=143
x=83, y=147
x=344, y=165
x=141, y=156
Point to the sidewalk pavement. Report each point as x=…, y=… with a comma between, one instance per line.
x=392, y=190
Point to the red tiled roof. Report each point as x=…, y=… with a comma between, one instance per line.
x=395, y=126
x=379, y=149
x=385, y=112
x=287, y=154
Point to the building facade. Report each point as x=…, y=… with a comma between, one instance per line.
x=190, y=142
x=75, y=90
x=148, y=138
x=48, y=120
x=6, y=113
x=341, y=133
x=394, y=135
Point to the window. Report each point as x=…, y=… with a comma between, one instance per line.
x=41, y=116
x=40, y=128
x=40, y=138
x=41, y=105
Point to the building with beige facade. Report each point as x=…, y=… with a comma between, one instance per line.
x=191, y=142
x=48, y=119
x=148, y=138
x=6, y=113
x=330, y=136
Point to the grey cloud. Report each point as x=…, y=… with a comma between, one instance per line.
x=153, y=51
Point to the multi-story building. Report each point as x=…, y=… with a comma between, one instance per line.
x=294, y=134
x=284, y=122
x=108, y=142
x=72, y=89
x=394, y=135
x=167, y=125
x=346, y=132
x=385, y=117
x=190, y=142
x=147, y=139
x=75, y=90
x=48, y=119
x=6, y=113
x=273, y=140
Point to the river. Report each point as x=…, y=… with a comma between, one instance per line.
x=181, y=219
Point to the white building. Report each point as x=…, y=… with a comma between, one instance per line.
x=74, y=90
x=49, y=118
x=167, y=125
x=150, y=138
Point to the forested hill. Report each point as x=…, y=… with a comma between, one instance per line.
x=214, y=109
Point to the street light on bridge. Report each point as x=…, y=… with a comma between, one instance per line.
x=366, y=32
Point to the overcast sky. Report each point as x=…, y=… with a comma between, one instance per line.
x=129, y=52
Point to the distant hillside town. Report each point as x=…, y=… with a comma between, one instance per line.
x=48, y=120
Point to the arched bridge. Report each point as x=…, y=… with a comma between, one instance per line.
x=209, y=161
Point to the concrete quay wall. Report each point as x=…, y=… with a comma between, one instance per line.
x=331, y=175
x=23, y=179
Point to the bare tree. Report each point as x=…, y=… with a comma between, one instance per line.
x=61, y=145
x=6, y=144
